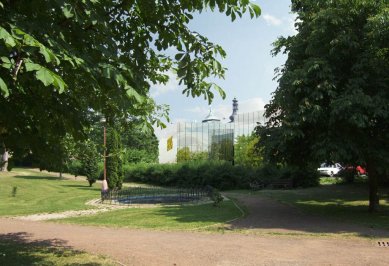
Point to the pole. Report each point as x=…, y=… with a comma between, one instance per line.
x=105, y=155
x=104, y=185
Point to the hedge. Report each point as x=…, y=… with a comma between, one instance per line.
x=220, y=175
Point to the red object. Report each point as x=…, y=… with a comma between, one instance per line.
x=361, y=170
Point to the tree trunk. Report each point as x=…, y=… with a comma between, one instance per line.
x=374, y=200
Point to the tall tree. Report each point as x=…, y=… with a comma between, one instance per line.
x=61, y=59
x=333, y=93
x=114, y=159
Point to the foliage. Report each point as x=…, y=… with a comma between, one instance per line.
x=216, y=197
x=332, y=98
x=220, y=175
x=245, y=152
x=62, y=61
x=141, y=146
x=89, y=158
x=222, y=150
x=183, y=155
x=114, y=159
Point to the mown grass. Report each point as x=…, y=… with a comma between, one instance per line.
x=16, y=250
x=184, y=217
x=346, y=202
x=23, y=191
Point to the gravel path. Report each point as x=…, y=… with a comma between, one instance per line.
x=99, y=208
x=142, y=247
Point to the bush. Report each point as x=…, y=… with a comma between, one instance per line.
x=114, y=160
x=89, y=161
x=220, y=175
x=74, y=167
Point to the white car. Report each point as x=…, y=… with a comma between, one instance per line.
x=329, y=169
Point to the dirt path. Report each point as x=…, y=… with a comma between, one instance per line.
x=141, y=247
x=267, y=215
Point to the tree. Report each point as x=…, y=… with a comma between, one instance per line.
x=183, y=155
x=332, y=99
x=114, y=159
x=61, y=60
x=89, y=158
x=245, y=151
x=140, y=146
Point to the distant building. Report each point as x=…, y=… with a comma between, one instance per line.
x=210, y=117
x=212, y=137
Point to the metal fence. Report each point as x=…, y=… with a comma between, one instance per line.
x=153, y=195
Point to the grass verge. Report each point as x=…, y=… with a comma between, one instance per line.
x=23, y=191
x=185, y=217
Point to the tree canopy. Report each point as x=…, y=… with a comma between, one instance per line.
x=332, y=99
x=61, y=60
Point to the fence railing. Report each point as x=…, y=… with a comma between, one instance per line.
x=152, y=195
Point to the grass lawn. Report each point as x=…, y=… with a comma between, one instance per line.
x=23, y=191
x=16, y=250
x=347, y=202
x=185, y=217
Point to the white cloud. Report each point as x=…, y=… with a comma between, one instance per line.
x=171, y=85
x=272, y=20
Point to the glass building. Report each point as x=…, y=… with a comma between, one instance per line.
x=213, y=139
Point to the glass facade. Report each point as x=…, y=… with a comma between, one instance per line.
x=214, y=140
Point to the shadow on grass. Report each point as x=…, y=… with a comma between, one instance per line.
x=326, y=210
x=206, y=213
x=17, y=249
x=82, y=186
x=37, y=177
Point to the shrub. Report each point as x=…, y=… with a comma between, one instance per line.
x=220, y=175
x=89, y=161
x=114, y=160
x=74, y=167
x=216, y=197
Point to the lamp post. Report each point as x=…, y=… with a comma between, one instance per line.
x=104, y=186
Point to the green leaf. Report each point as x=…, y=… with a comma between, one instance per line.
x=8, y=39
x=179, y=56
x=220, y=91
x=45, y=75
x=6, y=62
x=4, y=88
x=59, y=83
x=67, y=11
x=30, y=41
x=43, y=51
x=32, y=66
x=132, y=93
x=256, y=9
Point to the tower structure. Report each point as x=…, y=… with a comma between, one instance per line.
x=234, y=110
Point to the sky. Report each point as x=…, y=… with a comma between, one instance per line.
x=250, y=65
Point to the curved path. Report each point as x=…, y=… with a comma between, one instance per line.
x=141, y=247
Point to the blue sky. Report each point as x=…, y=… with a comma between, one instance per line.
x=249, y=78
